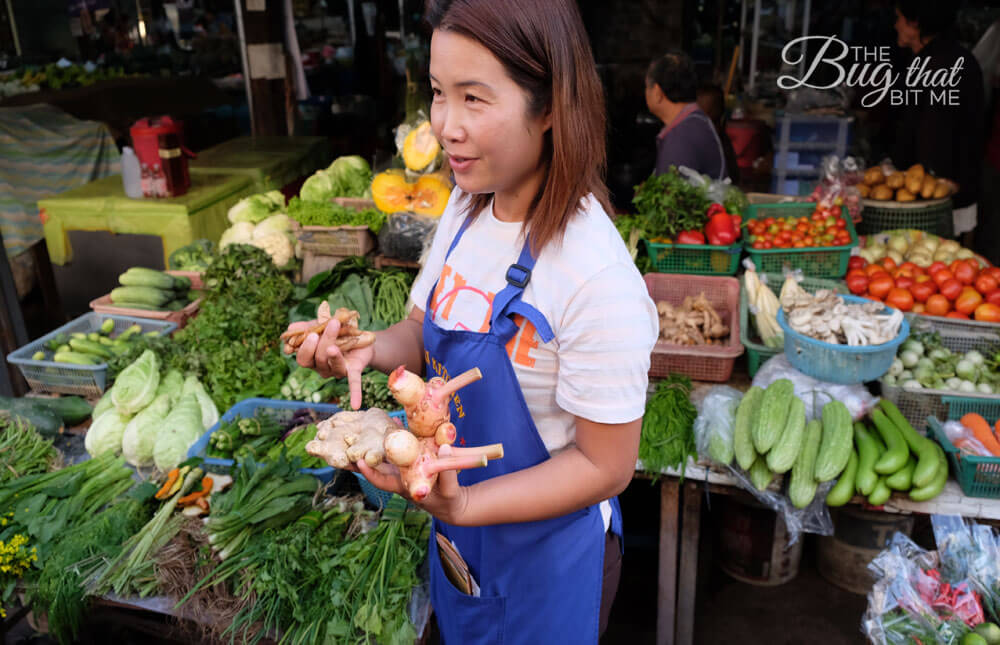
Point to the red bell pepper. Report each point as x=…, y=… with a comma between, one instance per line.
x=690, y=237
x=715, y=208
x=722, y=230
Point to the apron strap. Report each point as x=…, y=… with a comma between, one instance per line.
x=508, y=302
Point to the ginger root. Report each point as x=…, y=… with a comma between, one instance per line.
x=347, y=437
x=350, y=336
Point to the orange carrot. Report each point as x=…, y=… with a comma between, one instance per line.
x=996, y=430
x=982, y=431
x=164, y=492
x=191, y=498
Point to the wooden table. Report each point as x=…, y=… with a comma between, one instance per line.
x=680, y=520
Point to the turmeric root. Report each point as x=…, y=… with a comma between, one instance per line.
x=426, y=404
x=348, y=437
x=349, y=337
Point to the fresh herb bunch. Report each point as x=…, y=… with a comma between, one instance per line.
x=233, y=343
x=668, y=426
x=22, y=450
x=333, y=214
x=667, y=204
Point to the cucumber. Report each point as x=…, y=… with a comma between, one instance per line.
x=147, y=295
x=745, y=415
x=896, y=450
x=130, y=332
x=72, y=409
x=869, y=451
x=802, y=487
x=773, y=414
x=76, y=358
x=760, y=474
x=42, y=418
x=137, y=305
x=902, y=479
x=843, y=490
x=107, y=326
x=90, y=347
x=38, y=356
x=785, y=451
x=181, y=282
x=835, y=449
x=93, y=336
x=143, y=277
x=924, y=448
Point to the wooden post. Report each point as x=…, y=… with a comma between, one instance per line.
x=687, y=582
x=262, y=24
x=666, y=593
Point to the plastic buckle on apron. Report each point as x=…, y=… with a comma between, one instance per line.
x=512, y=278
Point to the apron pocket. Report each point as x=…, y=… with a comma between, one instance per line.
x=463, y=618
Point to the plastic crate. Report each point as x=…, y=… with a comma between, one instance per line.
x=917, y=405
x=699, y=362
x=757, y=351
x=375, y=496
x=103, y=305
x=978, y=476
x=931, y=216
x=815, y=262
x=282, y=411
x=341, y=241
x=844, y=364
x=66, y=378
x=696, y=259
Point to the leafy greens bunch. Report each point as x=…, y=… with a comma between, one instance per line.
x=667, y=204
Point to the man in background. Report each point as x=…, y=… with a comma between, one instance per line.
x=713, y=104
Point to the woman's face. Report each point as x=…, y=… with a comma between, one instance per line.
x=479, y=114
x=907, y=32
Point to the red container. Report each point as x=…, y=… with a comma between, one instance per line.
x=749, y=137
x=146, y=137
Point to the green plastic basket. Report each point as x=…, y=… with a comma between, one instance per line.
x=815, y=262
x=757, y=351
x=978, y=476
x=697, y=259
x=932, y=217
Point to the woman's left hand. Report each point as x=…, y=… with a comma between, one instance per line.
x=447, y=500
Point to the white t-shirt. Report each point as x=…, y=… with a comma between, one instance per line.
x=589, y=291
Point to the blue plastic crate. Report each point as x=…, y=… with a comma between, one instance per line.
x=844, y=364
x=282, y=411
x=66, y=378
x=375, y=496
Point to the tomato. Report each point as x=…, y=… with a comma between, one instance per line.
x=964, y=273
x=955, y=264
x=900, y=299
x=768, y=245
x=957, y=314
x=888, y=263
x=968, y=300
x=922, y=290
x=856, y=262
x=880, y=284
x=799, y=244
x=951, y=289
x=923, y=277
x=768, y=221
x=941, y=276
x=810, y=241
x=994, y=297
x=985, y=283
x=758, y=244
x=993, y=271
x=918, y=308
x=904, y=281
x=857, y=283
x=987, y=312
x=841, y=223
x=936, y=266
x=937, y=305
x=874, y=269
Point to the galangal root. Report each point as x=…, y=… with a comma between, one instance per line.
x=415, y=450
x=349, y=337
x=695, y=322
x=348, y=437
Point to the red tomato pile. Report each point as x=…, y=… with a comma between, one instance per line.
x=825, y=227
x=958, y=290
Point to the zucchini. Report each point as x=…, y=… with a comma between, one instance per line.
x=843, y=490
x=835, y=449
x=869, y=451
x=922, y=447
x=42, y=418
x=130, y=332
x=785, y=451
x=94, y=336
x=936, y=485
x=143, y=277
x=72, y=409
x=802, y=486
x=146, y=295
x=63, y=348
x=745, y=414
x=89, y=347
x=896, y=450
x=902, y=479
x=760, y=474
x=880, y=495
x=76, y=358
x=181, y=282
x=138, y=305
x=175, y=305
x=773, y=414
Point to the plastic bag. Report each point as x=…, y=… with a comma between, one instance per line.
x=405, y=236
x=815, y=394
x=838, y=184
x=400, y=134
x=721, y=191
x=713, y=429
x=964, y=440
x=814, y=518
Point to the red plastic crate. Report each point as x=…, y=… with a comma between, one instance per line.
x=698, y=362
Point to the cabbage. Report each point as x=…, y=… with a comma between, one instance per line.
x=104, y=404
x=239, y=233
x=351, y=175
x=105, y=434
x=180, y=429
x=209, y=413
x=141, y=432
x=318, y=188
x=171, y=385
x=136, y=385
x=279, y=223
x=256, y=208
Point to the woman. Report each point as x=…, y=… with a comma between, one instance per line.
x=528, y=280
x=688, y=137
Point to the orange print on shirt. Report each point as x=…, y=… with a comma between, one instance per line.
x=451, y=285
x=522, y=342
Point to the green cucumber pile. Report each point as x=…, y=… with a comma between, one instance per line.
x=152, y=290
x=95, y=348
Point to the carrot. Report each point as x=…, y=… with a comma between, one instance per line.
x=191, y=498
x=164, y=492
x=996, y=430
x=982, y=431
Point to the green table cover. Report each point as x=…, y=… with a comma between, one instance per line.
x=271, y=162
x=102, y=206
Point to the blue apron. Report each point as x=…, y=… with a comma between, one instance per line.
x=540, y=581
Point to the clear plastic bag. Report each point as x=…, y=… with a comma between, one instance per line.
x=814, y=518
x=964, y=440
x=838, y=184
x=815, y=394
x=721, y=191
x=405, y=236
x=713, y=429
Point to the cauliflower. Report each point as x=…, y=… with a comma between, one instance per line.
x=256, y=208
x=239, y=233
x=278, y=246
x=279, y=223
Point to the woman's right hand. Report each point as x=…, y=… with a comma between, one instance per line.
x=320, y=352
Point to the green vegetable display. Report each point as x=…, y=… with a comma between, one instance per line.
x=23, y=451
x=195, y=256
x=313, y=213
x=667, y=204
x=348, y=176
x=668, y=426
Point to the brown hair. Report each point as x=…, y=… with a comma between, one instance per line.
x=544, y=48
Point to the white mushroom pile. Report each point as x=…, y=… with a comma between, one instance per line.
x=826, y=317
